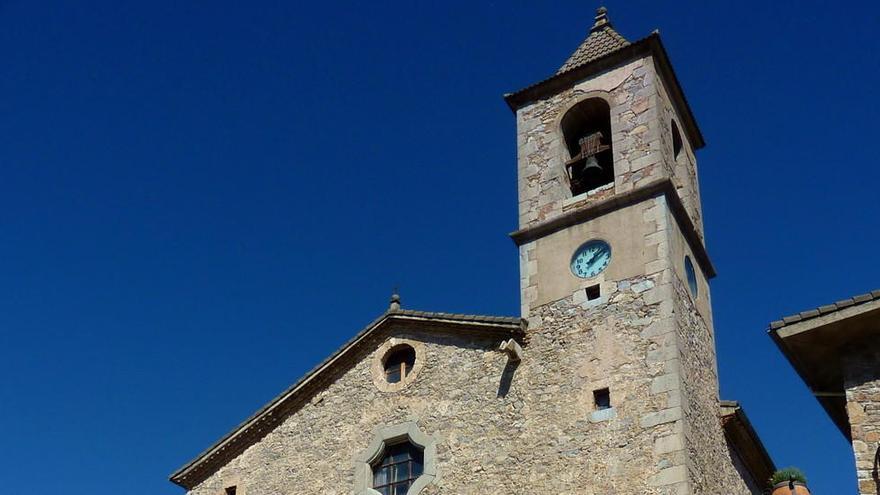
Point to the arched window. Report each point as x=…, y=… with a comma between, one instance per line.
x=691, y=275
x=399, y=363
x=586, y=128
x=397, y=468
x=676, y=141
x=400, y=460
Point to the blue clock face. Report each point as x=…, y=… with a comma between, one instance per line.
x=590, y=259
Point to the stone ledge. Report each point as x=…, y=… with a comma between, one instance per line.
x=661, y=187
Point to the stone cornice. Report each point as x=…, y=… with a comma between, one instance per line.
x=651, y=190
x=272, y=414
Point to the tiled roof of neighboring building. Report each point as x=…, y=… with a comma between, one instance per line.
x=602, y=40
x=824, y=310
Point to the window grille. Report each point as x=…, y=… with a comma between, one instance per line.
x=397, y=469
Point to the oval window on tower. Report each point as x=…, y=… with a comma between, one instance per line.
x=691, y=275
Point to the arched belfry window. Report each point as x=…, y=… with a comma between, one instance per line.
x=676, y=141
x=586, y=128
x=398, y=468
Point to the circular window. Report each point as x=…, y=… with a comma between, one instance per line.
x=691, y=275
x=399, y=363
x=591, y=259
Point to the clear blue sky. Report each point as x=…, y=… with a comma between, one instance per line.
x=199, y=203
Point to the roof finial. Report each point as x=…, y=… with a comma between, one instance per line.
x=395, y=301
x=601, y=19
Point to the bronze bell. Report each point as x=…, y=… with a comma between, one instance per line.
x=592, y=166
x=584, y=164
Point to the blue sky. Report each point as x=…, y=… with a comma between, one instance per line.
x=199, y=203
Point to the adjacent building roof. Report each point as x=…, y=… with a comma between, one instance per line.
x=743, y=438
x=816, y=343
x=272, y=414
x=601, y=41
x=824, y=310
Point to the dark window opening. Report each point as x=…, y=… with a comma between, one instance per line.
x=676, y=141
x=587, y=132
x=691, y=275
x=230, y=490
x=398, y=468
x=602, y=398
x=399, y=363
x=593, y=292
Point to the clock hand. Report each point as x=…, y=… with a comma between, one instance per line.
x=590, y=261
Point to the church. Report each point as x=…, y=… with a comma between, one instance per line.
x=606, y=383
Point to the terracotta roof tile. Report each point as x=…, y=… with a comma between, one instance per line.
x=824, y=310
x=602, y=40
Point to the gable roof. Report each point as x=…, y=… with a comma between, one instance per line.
x=602, y=40
x=278, y=409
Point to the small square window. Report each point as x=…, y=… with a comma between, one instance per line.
x=602, y=399
x=593, y=292
x=230, y=490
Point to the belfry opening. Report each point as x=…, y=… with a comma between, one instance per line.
x=586, y=128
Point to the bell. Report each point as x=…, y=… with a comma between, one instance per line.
x=592, y=167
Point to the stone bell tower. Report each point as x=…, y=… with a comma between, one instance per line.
x=614, y=269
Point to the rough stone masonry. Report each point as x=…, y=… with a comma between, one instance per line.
x=863, y=408
x=616, y=388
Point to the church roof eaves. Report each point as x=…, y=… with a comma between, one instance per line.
x=650, y=45
x=273, y=413
x=739, y=431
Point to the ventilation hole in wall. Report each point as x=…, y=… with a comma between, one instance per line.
x=602, y=399
x=230, y=490
x=593, y=292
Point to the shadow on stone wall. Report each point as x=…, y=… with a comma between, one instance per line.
x=507, y=378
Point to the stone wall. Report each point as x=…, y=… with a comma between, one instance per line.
x=711, y=469
x=863, y=407
x=533, y=427
x=631, y=93
x=641, y=116
x=754, y=486
x=543, y=435
x=683, y=170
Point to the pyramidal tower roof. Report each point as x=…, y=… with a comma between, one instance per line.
x=602, y=40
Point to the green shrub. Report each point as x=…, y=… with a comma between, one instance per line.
x=787, y=474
